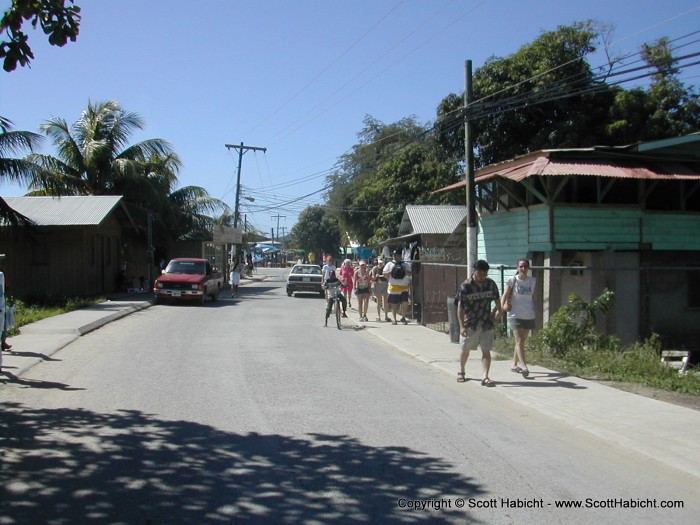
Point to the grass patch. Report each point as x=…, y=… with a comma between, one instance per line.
x=31, y=313
x=569, y=343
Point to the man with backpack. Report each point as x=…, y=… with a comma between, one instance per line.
x=398, y=273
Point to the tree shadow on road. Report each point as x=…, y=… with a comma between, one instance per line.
x=77, y=466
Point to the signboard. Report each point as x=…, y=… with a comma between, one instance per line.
x=227, y=234
x=433, y=254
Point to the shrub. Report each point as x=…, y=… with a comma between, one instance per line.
x=571, y=329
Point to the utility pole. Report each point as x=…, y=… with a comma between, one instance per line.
x=469, y=160
x=278, y=217
x=283, y=241
x=241, y=150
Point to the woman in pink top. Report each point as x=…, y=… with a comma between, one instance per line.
x=347, y=273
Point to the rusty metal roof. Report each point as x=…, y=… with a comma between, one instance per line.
x=85, y=210
x=594, y=162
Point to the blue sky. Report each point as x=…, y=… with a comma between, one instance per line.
x=295, y=77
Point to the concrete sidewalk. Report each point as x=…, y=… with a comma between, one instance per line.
x=658, y=430
x=665, y=432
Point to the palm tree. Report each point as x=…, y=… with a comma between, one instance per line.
x=14, y=169
x=94, y=156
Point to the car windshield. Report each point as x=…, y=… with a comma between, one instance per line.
x=307, y=270
x=189, y=267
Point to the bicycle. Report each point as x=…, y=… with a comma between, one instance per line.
x=337, y=309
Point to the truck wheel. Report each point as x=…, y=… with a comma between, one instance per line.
x=289, y=293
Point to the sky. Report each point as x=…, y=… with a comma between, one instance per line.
x=294, y=77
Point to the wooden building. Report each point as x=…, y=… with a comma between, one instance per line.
x=79, y=246
x=622, y=218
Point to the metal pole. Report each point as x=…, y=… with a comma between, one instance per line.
x=472, y=251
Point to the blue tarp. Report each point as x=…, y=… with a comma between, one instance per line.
x=362, y=252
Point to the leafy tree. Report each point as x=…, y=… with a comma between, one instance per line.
x=94, y=155
x=393, y=165
x=547, y=96
x=59, y=21
x=316, y=231
x=14, y=169
x=96, y=158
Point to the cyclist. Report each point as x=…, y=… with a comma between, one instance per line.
x=332, y=286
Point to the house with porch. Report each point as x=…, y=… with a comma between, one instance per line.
x=622, y=218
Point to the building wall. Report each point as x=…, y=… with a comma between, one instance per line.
x=62, y=262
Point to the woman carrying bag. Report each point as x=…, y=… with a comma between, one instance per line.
x=520, y=309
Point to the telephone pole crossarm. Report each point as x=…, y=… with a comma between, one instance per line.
x=241, y=150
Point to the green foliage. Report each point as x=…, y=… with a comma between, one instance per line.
x=572, y=328
x=393, y=165
x=570, y=343
x=57, y=20
x=640, y=363
x=33, y=311
x=567, y=104
x=316, y=231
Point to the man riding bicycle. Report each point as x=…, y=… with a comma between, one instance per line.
x=332, y=286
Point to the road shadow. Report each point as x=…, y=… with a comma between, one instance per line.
x=32, y=383
x=78, y=466
x=543, y=380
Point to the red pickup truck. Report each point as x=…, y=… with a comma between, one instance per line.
x=188, y=280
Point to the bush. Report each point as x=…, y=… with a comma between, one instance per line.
x=572, y=328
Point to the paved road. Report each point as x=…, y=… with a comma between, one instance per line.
x=250, y=411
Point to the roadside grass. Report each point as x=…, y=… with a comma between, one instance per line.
x=570, y=343
x=30, y=313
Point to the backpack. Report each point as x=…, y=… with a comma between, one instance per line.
x=398, y=271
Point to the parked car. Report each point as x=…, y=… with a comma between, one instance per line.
x=305, y=278
x=188, y=280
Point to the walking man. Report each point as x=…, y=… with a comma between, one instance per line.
x=476, y=318
x=398, y=273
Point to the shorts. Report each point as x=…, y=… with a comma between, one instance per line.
x=398, y=298
x=380, y=287
x=362, y=291
x=521, y=324
x=477, y=338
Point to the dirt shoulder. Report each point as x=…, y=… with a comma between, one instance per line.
x=684, y=400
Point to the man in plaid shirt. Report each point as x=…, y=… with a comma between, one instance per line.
x=476, y=319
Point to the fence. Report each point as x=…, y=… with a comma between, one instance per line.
x=654, y=298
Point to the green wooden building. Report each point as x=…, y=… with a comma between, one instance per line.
x=626, y=219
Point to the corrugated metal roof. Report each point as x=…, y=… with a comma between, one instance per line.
x=431, y=219
x=545, y=165
x=65, y=211
x=586, y=162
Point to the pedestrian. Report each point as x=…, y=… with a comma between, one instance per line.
x=328, y=267
x=476, y=318
x=363, y=280
x=332, y=286
x=519, y=304
x=7, y=311
x=235, y=277
x=346, y=274
x=2, y=313
x=398, y=274
x=380, y=290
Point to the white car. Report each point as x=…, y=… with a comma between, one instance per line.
x=305, y=278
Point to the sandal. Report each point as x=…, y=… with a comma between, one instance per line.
x=517, y=370
x=487, y=382
x=525, y=372
x=461, y=378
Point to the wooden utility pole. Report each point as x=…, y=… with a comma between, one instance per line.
x=241, y=150
x=469, y=160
